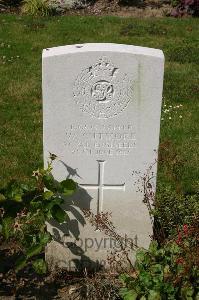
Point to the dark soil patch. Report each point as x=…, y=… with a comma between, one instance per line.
x=140, y=8
x=56, y=284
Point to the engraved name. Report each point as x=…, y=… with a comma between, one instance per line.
x=100, y=139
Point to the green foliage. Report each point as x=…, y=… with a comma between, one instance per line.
x=173, y=209
x=67, y=187
x=7, y=227
x=58, y=213
x=20, y=263
x=175, y=2
x=128, y=294
x=24, y=211
x=40, y=266
x=167, y=272
x=37, y=8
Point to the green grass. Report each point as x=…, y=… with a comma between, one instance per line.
x=21, y=42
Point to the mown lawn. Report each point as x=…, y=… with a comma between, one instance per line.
x=21, y=42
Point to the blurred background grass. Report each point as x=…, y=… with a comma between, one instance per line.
x=22, y=39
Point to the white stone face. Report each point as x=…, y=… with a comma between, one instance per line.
x=101, y=116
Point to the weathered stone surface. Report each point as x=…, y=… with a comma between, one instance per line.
x=101, y=115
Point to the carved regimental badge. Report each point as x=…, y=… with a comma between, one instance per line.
x=102, y=90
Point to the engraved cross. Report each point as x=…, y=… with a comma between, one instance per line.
x=100, y=187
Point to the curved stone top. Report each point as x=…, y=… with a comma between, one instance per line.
x=95, y=47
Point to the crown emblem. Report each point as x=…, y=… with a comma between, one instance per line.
x=102, y=90
x=103, y=67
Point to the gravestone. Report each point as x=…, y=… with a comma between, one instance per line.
x=101, y=116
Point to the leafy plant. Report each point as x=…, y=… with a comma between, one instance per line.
x=167, y=272
x=38, y=8
x=170, y=268
x=24, y=211
x=40, y=266
x=172, y=209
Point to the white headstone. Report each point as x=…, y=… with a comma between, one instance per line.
x=101, y=115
